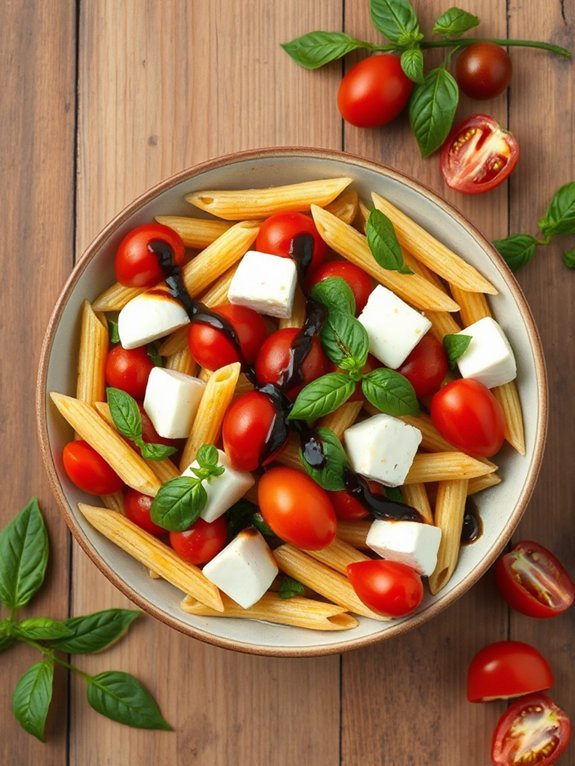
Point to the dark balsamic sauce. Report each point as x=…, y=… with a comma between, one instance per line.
x=379, y=506
x=472, y=528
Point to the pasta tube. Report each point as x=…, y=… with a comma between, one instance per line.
x=196, y=233
x=91, y=383
x=449, y=512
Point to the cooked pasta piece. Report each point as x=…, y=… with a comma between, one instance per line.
x=114, y=298
x=345, y=207
x=354, y=532
x=473, y=306
x=362, y=216
x=297, y=317
x=196, y=233
x=508, y=397
x=420, y=268
x=182, y=361
x=442, y=324
x=449, y=512
x=342, y=418
x=175, y=342
x=445, y=466
x=91, y=381
x=217, y=294
x=416, y=496
x=290, y=453
x=114, y=502
x=338, y=555
x=483, y=482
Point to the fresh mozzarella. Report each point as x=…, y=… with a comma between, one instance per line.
x=171, y=401
x=244, y=569
x=265, y=283
x=382, y=448
x=489, y=358
x=149, y=316
x=224, y=490
x=408, y=542
x=394, y=328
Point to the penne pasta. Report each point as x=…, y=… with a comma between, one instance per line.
x=342, y=418
x=298, y=313
x=416, y=496
x=449, y=512
x=508, y=397
x=354, y=532
x=442, y=324
x=91, y=381
x=345, y=207
x=473, y=306
x=175, y=342
x=196, y=233
x=362, y=216
x=181, y=361
x=338, y=555
x=217, y=293
x=445, y=466
x=290, y=453
x=116, y=297
x=483, y=482
x=114, y=502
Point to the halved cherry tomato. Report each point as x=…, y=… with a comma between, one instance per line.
x=201, y=542
x=245, y=430
x=277, y=232
x=534, y=731
x=88, y=470
x=137, y=509
x=211, y=347
x=533, y=581
x=361, y=284
x=507, y=669
x=129, y=369
x=274, y=357
x=297, y=509
x=426, y=366
x=388, y=587
x=467, y=414
x=478, y=155
x=136, y=263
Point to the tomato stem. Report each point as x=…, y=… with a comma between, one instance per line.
x=464, y=41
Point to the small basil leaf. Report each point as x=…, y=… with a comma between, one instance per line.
x=5, y=643
x=455, y=22
x=390, y=392
x=516, y=250
x=322, y=396
x=32, y=697
x=178, y=503
x=261, y=525
x=113, y=330
x=383, y=243
x=154, y=355
x=125, y=413
x=412, y=64
x=395, y=19
x=42, y=629
x=207, y=456
x=93, y=632
x=568, y=258
x=344, y=337
x=156, y=451
x=121, y=697
x=316, y=49
x=23, y=556
x=432, y=109
x=290, y=587
x=330, y=475
x=560, y=215
x=240, y=516
x=455, y=346
x=334, y=293
x=394, y=494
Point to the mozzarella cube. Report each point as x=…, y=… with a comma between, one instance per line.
x=382, y=448
x=244, y=569
x=171, y=401
x=265, y=283
x=408, y=542
x=394, y=328
x=150, y=316
x=489, y=358
x=224, y=490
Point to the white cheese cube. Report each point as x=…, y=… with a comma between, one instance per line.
x=171, y=401
x=244, y=569
x=265, y=283
x=224, y=490
x=408, y=542
x=382, y=448
x=149, y=316
x=394, y=328
x=489, y=358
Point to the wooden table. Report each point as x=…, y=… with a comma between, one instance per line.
x=103, y=98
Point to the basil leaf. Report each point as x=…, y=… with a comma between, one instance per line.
x=432, y=109
x=240, y=516
x=155, y=451
x=394, y=494
x=23, y=556
x=121, y=697
x=290, y=587
x=262, y=526
x=322, y=396
x=178, y=503
x=455, y=22
x=32, y=697
x=113, y=331
x=344, y=337
x=560, y=215
x=207, y=456
x=516, y=250
x=568, y=258
x=316, y=49
x=330, y=475
x=395, y=19
x=42, y=629
x=154, y=355
x=125, y=413
x=455, y=346
x=412, y=64
x=383, y=243
x=5, y=643
x=93, y=632
x=390, y=392
x=335, y=294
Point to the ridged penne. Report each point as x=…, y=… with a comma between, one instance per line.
x=508, y=397
x=196, y=233
x=217, y=293
x=473, y=306
x=91, y=380
x=449, y=512
x=342, y=418
x=175, y=342
x=297, y=317
x=445, y=466
x=182, y=361
x=442, y=324
x=416, y=496
x=483, y=482
x=345, y=207
x=337, y=555
x=354, y=532
x=115, y=501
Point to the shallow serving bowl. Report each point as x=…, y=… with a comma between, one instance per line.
x=501, y=507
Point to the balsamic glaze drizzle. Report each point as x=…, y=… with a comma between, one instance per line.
x=378, y=506
x=472, y=528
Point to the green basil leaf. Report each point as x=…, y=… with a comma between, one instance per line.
x=394, y=494
x=178, y=503
x=412, y=64
x=32, y=697
x=42, y=629
x=335, y=294
x=154, y=355
x=93, y=632
x=155, y=451
x=322, y=396
x=560, y=215
x=121, y=697
x=207, y=456
x=290, y=587
x=568, y=258
x=125, y=413
x=23, y=556
x=395, y=19
x=455, y=22
x=344, y=337
x=262, y=526
x=516, y=250
x=383, y=243
x=316, y=49
x=390, y=392
x=432, y=109
x=455, y=346
x=113, y=331
x=5, y=643
x=240, y=516
x=330, y=475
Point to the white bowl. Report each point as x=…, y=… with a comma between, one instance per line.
x=501, y=507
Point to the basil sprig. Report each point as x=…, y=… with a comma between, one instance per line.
x=290, y=587
x=322, y=396
x=383, y=243
x=128, y=420
x=516, y=250
x=330, y=475
x=455, y=345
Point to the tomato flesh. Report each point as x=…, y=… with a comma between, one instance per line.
x=507, y=669
x=201, y=542
x=88, y=470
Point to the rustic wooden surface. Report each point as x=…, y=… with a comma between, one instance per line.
x=100, y=100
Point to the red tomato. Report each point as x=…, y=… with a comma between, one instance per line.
x=296, y=508
x=245, y=429
x=361, y=284
x=201, y=542
x=273, y=361
x=129, y=370
x=467, y=414
x=149, y=433
x=533, y=581
x=211, y=347
x=137, y=509
x=277, y=232
x=374, y=91
x=88, y=470
x=426, y=366
x=534, y=731
x=483, y=70
x=136, y=263
x=478, y=155
x=386, y=587
x=507, y=669
x=347, y=507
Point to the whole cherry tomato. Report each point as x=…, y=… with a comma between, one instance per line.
x=274, y=357
x=246, y=428
x=507, y=669
x=136, y=263
x=210, y=346
x=129, y=370
x=387, y=587
x=361, y=284
x=88, y=470
x=426, y=366
x=137, y=509
x=277, y=232
x=201, y=542
x=347, y=507
x=483, y=70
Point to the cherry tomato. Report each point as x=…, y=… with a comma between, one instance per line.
x=483, y=70
x=136, y=263
x=387, y=587
x=211, y=347
x=361, y=284
x=277, y=232
x=201, y=542
x=467, y=414
x=129, y=370
x=149, y=433
x=273, y=361
x=478, y=155
x=347, y=507
x=137, y=509
x=296, y=508
x=534, y=731
x=533, y=581
x=374, y=91
x=88, y=470
x=507, y=669
x=245, y=429
x=426, y=366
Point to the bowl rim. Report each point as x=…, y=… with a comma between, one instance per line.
x=392, y=629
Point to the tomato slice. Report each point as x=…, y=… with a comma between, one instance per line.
x=533, y=581
x=478, y=155
x=507, y=669
x=532, y=732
